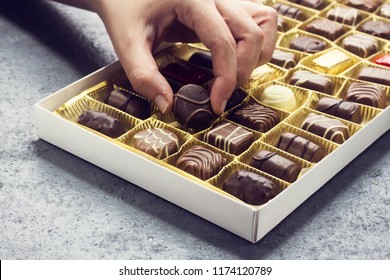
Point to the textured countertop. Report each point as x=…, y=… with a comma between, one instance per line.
x=54, y=205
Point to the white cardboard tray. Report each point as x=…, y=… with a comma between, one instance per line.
x=249, y=222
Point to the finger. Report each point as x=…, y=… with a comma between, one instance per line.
x=248, y=35
x=267, y=19
x=205, y=20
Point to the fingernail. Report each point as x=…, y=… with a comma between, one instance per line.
x=161, y=103
x=223, y=105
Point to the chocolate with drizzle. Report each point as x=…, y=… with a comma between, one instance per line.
x=340, y=108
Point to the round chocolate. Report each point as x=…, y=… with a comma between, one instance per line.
x=251, y=187
x=192, y=107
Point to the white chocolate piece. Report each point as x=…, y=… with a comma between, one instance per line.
x=280, y=97
x=333, y=62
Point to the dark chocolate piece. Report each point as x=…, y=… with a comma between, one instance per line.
x=376, y=28
x=384, y=11
x=326, y=28
x=131, y=104
x=251, y=187
x=192, y=107
x=367, y=94
x=360, y=44
x=283, y=59
x=256, y=117
x=175, y=85
x=236, y=98
x=329, y=128
x=365, y=5
x=157, y=142
x=310, y=80
x=383, y=60
x=282, y=24
x=202, y=58
x=201, y=162
x=290, y=11
x=307, y=44
x=344, y=15
x=339, y=108
x=301, y=147
x=186, y=74
x=230, y=138
x=102, y=123
x=314, y=4
x=375, y=75
x=276, y=165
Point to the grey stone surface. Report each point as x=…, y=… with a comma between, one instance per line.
x=54, y=205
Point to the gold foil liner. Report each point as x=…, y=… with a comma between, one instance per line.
x=250, y=100
x=226, y=172
x=336, y=70
x=334, y=4
x=348, y=83
x=184, y=51
x=263, y=74
x=272, y=137
x=339, y=42
x=128, y=138
x=354, y=71
x=188, y=145
x=223, y=119
x=303, y=26
x=367, y=112
x=295, y=33
x=298, y=118
x=301, y=96
x=100, y=92
x=246, y=157
x=337, y=81
x=73, y=112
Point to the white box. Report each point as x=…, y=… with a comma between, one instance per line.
x=249, y=222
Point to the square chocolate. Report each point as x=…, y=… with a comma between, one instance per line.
x=314, y=4
x=344, y=15
x=314, y=81
x=290, y=11
x=230, y=138
x=376, y=28
x=325, y=28
x=365, y=5
x=360, y=44
x=375, y=75
x=367, y=94
x=283, y=59
x=307, y=44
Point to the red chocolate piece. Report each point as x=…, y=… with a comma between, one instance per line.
x=383, y=60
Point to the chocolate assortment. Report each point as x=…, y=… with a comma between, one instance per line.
x=328, y=77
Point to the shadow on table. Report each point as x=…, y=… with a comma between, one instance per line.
x=188, y=223
x=55, y=30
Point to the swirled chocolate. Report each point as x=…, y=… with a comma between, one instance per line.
x=201, y=162
x=376, y=28
x=367, y=94
x=339, y=108
x=283, y=59
x=186, y=74
x=307, y=44
x=314, y=4
x=256, y=117
x=276, y=165
x=102, y=123
x=290, y=11
x=251, y=187
x=192, y=107
x=310, y=80
x=325, y=28
x=344, y=15
x=329, y=128
x=375, y=75
x=360, y=44
x=301, y=147
x=158, y=142
x=230, y=138
x=131, y=104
